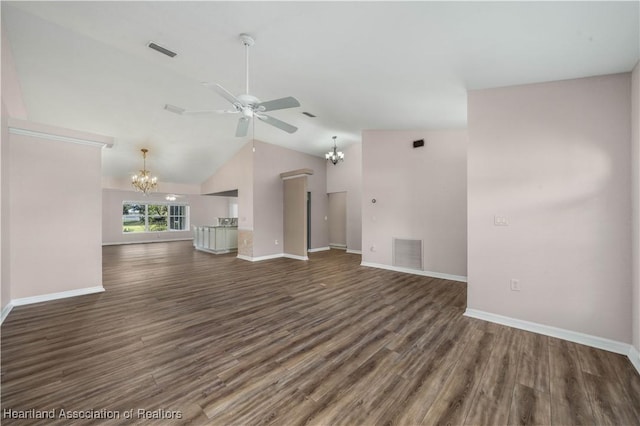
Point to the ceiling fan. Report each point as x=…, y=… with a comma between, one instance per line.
x=246, y=104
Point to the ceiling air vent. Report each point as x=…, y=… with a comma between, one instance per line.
x=308, y=114
x=161, y=49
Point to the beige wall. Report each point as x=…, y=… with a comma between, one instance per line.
x=50, y=204
x=338, y=219
x=420, y=194
x=203, y=209
x=256, y=175
x=236, y=173
x=270, y=161
x=635, y=199
x=346, y=177
x=12, y=106
x=55, y=216
x=553, y=159
x=5, y=247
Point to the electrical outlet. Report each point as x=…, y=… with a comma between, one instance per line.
x=373, y=248
x=515, y=285
x=276, y=242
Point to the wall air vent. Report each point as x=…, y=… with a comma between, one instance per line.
x=407, y=253
x=161, y=49
x=308, y=114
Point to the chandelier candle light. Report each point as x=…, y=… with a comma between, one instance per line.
x=334, y=156
x=143, y=182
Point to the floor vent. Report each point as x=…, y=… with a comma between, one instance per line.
x=407, y=253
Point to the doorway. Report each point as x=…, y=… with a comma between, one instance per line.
x=308, y=220
x=338, y=220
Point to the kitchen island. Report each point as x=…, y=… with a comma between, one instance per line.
x=215, y=239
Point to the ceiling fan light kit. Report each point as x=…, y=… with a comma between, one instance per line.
x=247, y=105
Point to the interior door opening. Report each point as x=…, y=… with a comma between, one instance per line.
x=308, y=220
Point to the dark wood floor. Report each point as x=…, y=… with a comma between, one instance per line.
x=287, y=342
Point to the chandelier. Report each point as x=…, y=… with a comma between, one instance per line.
x=334, y=156
x=143, y=182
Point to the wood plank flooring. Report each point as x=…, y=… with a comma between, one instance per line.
x=286, y=342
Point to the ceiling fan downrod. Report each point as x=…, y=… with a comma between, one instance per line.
x=248, y=41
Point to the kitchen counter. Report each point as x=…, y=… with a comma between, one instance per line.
x=215, y=239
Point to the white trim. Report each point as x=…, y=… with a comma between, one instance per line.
x=294, y=256
x=634, y=357
x=259, y=258
x=147, y=241
x=212, y=251
x=56, y=296
x=547, y=330
x=295, y=176
x=354, y=251
x=271, y=256
x=318, y=249
x=5, y=312
x=338, y=246
x=416, y=271
x=59, y=138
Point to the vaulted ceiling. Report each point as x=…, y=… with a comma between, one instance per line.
x=355, y=65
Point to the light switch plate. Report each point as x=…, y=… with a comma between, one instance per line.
x=500, y=221
x=515, y=285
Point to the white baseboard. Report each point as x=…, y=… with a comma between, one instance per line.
x=206, y=250
x=5, y=312
x=338, y=246
x=313, y=250
x=634, y=357
x=354, y=251
x=547, y=330
x=271, y=256
x=416, y=272
x=295, y=256
x=121, y=243
x=260, y=258
x=56, y=296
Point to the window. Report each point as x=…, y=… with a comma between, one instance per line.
x=157, y=217
x=177, y=218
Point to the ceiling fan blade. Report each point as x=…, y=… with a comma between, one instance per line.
x=282, y=103
x=243, y=127
x=224, y=93
x=174, y=109
x=182, y=111
x=277, y=123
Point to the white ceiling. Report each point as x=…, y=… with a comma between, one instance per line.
x=356, y=65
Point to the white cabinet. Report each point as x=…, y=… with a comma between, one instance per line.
x=216, y=239
x=211, y=239
x=232, y=238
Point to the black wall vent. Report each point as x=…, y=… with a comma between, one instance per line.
x=161, y=49
x=418, y=144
